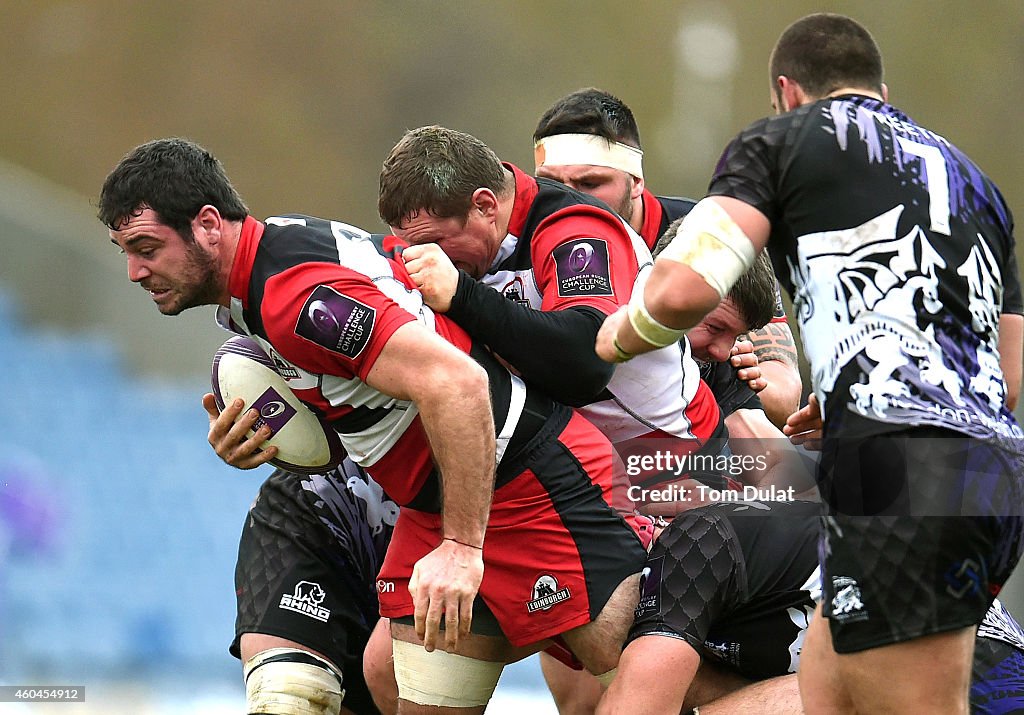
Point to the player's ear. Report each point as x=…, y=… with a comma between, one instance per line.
x=791, y=94
x=485, y=202
x=207, y=224
x=638, y=187
x=885, y=92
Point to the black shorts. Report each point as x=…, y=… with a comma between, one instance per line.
x=926, y=527
x=306, y=571
x=889, y=579
x=918, y=471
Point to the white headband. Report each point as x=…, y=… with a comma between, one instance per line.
x=568, y=149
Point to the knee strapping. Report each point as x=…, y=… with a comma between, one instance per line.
x=606, y=679
x=288, y=681
x=443, y=679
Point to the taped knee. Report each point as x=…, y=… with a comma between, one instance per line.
x=288, y=681
x=605, y=679
x=443, y=679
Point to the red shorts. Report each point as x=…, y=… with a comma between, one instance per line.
x=555, y=549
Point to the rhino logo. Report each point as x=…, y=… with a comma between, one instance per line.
x=309, y=592
x=306, y=598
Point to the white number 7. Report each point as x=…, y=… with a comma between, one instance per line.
x=938, y=182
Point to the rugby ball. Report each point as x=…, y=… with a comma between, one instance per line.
x=241, y=369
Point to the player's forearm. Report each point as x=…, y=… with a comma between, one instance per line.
x=781, y=395
x=674, y=297
x=456, y=415
x=552, y=350
x=777, y=357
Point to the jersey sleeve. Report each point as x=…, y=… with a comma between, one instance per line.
x=329, y=319
x=692, y=579
x=584, y=256
x=551, y=349
x=748, y=169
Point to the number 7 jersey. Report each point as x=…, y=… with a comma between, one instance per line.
x=898, y=253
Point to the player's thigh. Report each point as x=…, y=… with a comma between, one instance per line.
x=379, y=670
x=598, y=644
x=928, y=674
x=821, y=689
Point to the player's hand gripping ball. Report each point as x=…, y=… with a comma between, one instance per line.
x=241, y=369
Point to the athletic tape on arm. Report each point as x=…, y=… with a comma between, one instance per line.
x=711, y=243
x=646, y=327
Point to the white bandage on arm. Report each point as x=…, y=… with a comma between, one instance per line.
x=443, y=679
x=591, y=149
x=710, y=242
x=646, y=327
x=289, y=681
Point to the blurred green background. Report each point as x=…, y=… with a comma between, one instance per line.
x=302, y=100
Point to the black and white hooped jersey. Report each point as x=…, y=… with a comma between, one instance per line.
x=898, y=253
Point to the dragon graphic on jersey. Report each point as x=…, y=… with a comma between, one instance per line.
x=870, y=295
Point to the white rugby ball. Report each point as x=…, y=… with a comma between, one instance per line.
x=241, y=369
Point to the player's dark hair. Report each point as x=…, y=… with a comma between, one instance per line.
x=435, y=169
x=173, y=177
x=590, y=111
x=825, y=52
x=754, y=292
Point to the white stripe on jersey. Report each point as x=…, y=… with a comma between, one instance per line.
x=367, y=446
x=517, y=400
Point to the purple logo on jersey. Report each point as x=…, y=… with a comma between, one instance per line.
x=274, y=411
x=581, y=268
x=336, y=322
x=650, y=588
